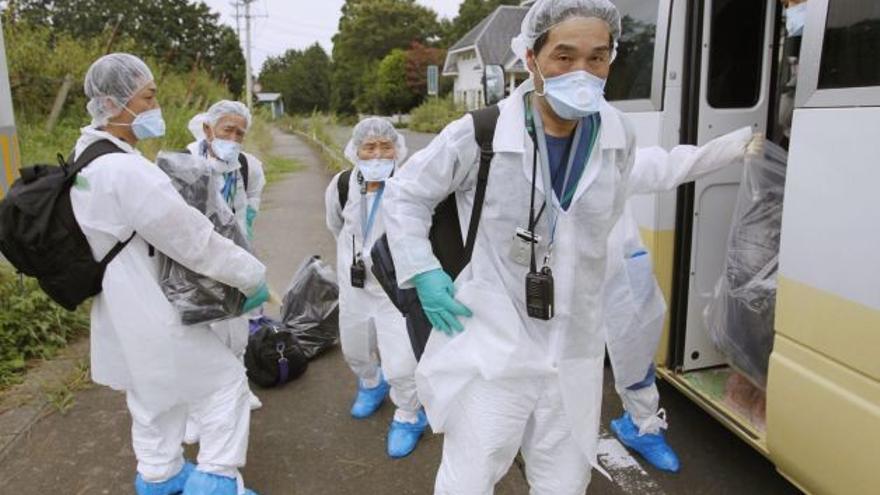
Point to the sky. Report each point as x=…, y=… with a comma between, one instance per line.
x=279, y=25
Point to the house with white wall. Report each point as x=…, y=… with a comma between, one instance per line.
x=488, y=43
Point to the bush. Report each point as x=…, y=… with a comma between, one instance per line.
x=39, y=58
x=435, y=114
x=31, y=325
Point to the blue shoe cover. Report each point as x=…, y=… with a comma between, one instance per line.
x=403, y=437
x=652, y=447
x=200, y=483
x=168, y=487
x=368, y=400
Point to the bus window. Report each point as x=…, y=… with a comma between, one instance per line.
x=632, y=72
x=852, y=43
x=736, y=53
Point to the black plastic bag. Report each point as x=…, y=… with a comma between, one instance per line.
x=311, y=307
x=741, y=314
x=199, y=299
x=273, y=356
x=406, y=300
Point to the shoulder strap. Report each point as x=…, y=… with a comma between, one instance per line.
x=485, y=120
x=342, y=187
x=90, y=154
x=245, y=175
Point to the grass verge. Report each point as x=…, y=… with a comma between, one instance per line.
x=259, y=141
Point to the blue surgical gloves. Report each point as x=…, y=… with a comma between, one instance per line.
x=436, y=291
x=251, y=216
x=256, y=299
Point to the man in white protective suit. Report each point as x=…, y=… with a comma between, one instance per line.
x=523, y=370
x=372, y=330
x=138, y=345
x=219, y=134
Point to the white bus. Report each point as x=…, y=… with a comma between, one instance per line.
x=9, y=150
x=692, y=70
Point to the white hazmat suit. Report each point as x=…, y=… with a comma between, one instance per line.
x=372, y=330
x=138, y=345
x=511, y=382
x=634, y=308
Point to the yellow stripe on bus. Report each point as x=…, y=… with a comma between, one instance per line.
x=6, y=157
x=836, y=327
x=661, y=245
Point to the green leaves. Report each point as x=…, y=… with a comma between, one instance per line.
x=368, y=32
x=302, y=78
x=31, y=325
x=179, y=33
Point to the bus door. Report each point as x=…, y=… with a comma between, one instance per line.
x=729, y=60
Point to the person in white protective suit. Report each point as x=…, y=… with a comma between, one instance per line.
x=373, y=332
x=523, y=370
x=634, y=308
x=219, y=134
x=138, y=345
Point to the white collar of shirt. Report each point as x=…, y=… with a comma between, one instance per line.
x=91, y=134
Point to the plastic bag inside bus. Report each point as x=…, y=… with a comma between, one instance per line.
x=311, y=307
x=740, y=315
x=199, y=299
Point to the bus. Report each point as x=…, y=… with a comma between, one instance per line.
x=10, y=156
x=692, y=70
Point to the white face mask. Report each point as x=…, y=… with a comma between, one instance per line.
x=376, y=169
x=573, y=95
x=795, y=19
x=226, y=150
x=146, y=125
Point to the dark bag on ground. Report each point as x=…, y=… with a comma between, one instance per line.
x=450, y=249
x=197, y=298
x=273, y=356
x=311, y=307
x=39, y=234
x=741, y=313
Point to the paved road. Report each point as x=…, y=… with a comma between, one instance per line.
x=304, y=443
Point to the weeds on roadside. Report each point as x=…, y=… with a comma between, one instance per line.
x=61, y=396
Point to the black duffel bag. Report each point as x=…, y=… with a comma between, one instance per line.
x=273, y=356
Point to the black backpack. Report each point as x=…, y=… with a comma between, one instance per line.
x=445, y=235
x=39, y=234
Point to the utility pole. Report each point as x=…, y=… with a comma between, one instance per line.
x=249, y=82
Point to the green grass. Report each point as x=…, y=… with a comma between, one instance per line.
x=317, y=130
x=32, y=326
x=259, y=142
x=434, y=114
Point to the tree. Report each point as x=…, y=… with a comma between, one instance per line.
x=368, y=31
x=302, y=78
x=418, y=58
x=470, y=13
x=394, y=95
x=176, y=32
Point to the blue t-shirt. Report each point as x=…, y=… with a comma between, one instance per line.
x=558, y=150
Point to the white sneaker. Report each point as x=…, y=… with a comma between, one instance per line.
x=255, y=401
x=192, y=434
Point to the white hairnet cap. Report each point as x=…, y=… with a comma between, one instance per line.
x=375, y=127
x=217, y=111
x=546, y=14
x=111, y=82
